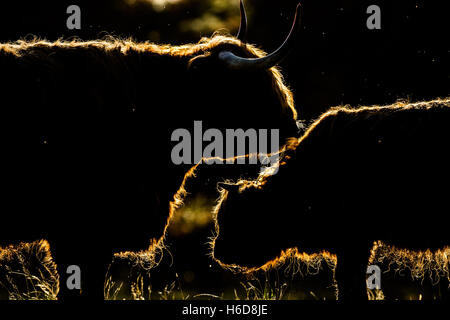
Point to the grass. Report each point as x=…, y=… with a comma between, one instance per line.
x=27, y=272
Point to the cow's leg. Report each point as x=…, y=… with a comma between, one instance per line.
x=351, y=271
x=65, y=255
x=93, y=266
x=94, y=276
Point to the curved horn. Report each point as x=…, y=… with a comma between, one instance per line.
x=242, y=32
x=235, y=62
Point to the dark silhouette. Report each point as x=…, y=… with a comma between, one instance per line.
x=356, y=176
x=86, y=129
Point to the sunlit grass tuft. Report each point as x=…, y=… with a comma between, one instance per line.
x=27, y=272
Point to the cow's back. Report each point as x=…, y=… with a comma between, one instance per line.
x=379, y=175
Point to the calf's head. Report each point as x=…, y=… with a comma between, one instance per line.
x=250, y=225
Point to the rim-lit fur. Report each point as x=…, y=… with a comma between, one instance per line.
x=112, y=46
x=324, y=123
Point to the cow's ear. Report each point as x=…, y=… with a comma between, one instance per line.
x=230, y=187
x=198, y=61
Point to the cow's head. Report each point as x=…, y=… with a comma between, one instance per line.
x=232, y=82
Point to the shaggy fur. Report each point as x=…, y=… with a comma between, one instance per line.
x=87, y=125
x=357, y=175
x=159, y=272
x=28, y=272
x=123, y=59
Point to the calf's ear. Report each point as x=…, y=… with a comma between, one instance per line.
x=230, y=187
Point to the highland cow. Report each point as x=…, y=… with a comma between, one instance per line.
x=86, y=128
x=28, y=272
x=357, y=175
x=179, y=265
